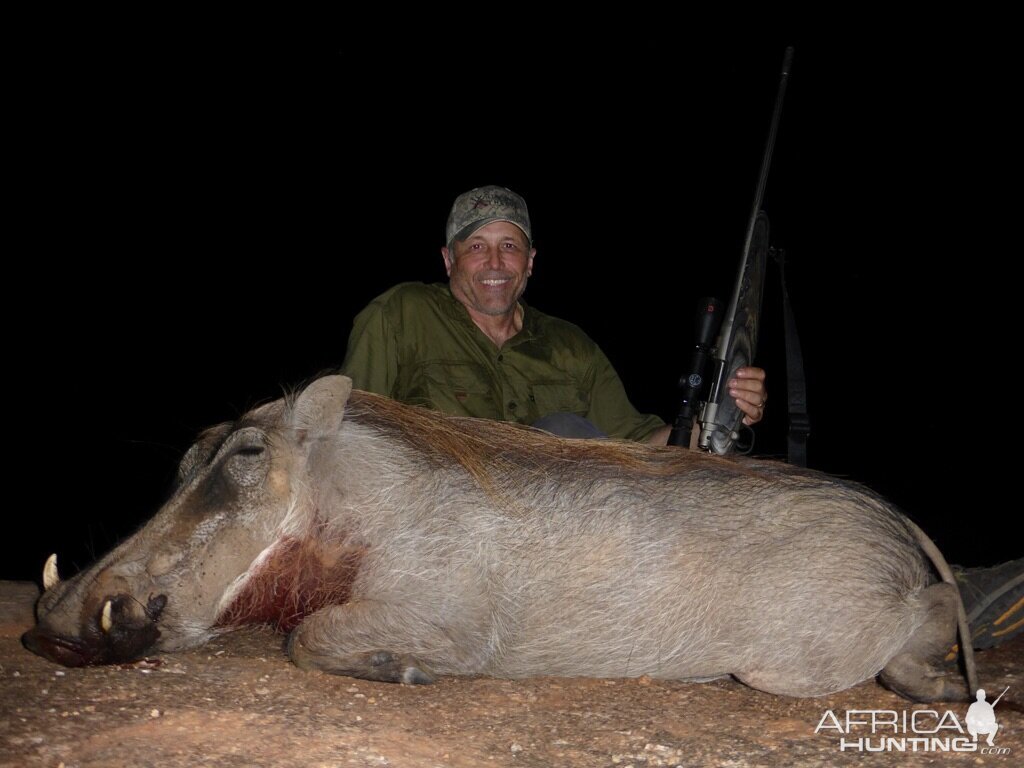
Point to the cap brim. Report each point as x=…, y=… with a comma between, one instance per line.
x=465, y=232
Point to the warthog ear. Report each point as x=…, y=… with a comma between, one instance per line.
x=321, y=406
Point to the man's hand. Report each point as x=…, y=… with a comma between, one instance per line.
x=750, y=394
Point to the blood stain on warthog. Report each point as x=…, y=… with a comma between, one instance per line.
x=299, y=577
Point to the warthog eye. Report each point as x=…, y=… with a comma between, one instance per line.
x=247, y=465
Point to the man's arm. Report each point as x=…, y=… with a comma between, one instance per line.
x=611, y=410
x=661, y=434
x=371, y=359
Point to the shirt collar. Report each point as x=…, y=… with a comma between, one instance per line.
x=457, y=310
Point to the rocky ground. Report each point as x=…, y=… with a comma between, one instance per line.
x=239, y=702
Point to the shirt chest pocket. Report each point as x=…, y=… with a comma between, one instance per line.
x=559, y=397
x=461, y=389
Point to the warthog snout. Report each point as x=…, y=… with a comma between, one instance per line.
x=121, y=629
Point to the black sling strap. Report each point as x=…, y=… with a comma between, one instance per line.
x=796, y=385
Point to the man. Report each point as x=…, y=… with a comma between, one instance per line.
x=474, y=348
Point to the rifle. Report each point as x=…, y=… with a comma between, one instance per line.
x=737, y=340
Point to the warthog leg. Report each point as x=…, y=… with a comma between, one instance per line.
x=382, y=666
x=371, y=640
x=916, y=671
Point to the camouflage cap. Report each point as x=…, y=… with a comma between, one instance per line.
x=478, y=207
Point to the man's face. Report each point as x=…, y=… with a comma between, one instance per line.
x=488, y=270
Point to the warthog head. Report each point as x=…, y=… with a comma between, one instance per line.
x=220, y=552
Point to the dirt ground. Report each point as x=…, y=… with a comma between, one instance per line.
x=239, y=702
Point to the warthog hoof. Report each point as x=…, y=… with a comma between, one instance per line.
x=382, y=666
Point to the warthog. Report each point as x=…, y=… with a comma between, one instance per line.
x=397, y=544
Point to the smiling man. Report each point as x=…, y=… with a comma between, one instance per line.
x=473, y=347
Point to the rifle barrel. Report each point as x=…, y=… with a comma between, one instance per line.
x=766, y=162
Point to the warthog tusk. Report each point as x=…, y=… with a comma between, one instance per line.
x=50, y=576
x=106, y=621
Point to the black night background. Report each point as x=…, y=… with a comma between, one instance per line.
x=202, y=228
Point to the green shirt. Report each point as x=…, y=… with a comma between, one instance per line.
x=417, y=343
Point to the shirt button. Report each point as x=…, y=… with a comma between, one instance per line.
x=500, y=358
x=512, y=406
